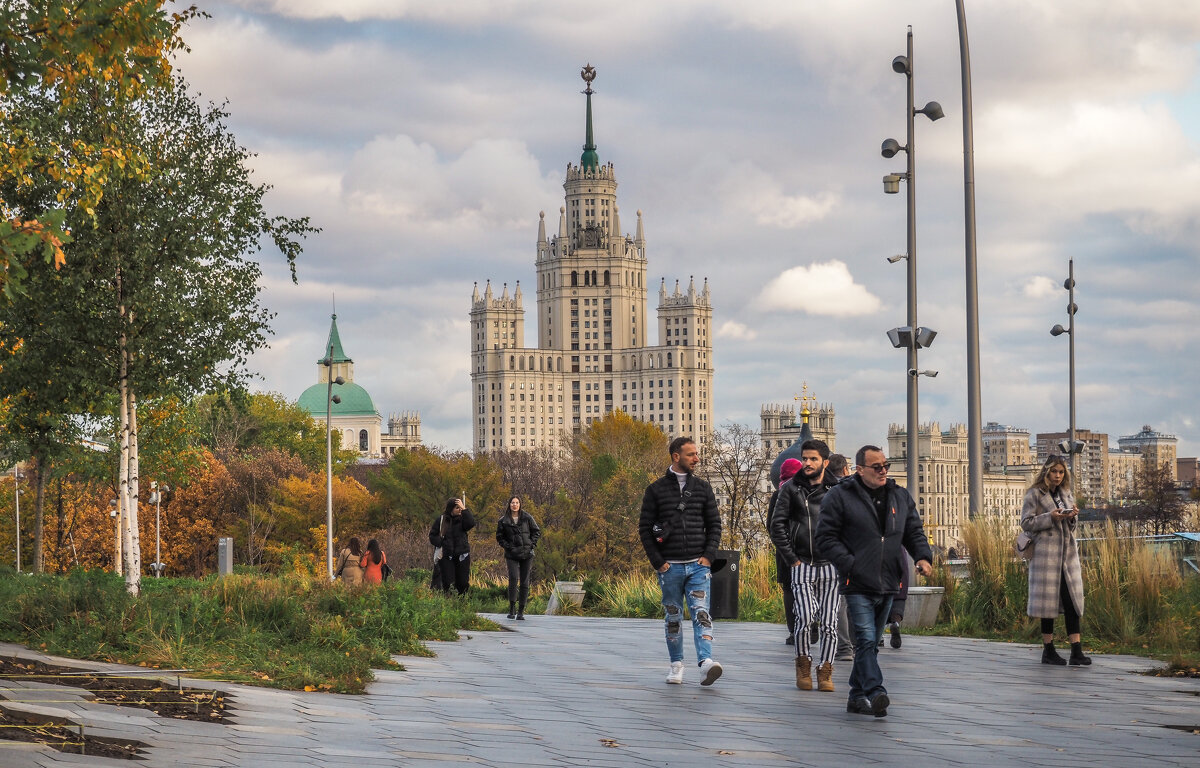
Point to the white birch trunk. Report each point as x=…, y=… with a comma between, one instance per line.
x=121, y=565
x=133, y=577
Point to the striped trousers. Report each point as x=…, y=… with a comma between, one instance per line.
x=815, y=591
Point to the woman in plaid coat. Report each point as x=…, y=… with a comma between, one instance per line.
x=1055, y=577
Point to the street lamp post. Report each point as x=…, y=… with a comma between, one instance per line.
x=156, y=497
x=974, y=400
x=1074, y=446
x=891, y=184
x=17, y=502
x=330, y=399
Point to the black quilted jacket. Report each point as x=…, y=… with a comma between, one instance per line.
x=689, y=518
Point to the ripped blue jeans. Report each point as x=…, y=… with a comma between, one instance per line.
x=690, y=582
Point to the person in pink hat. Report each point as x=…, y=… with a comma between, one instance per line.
x=783, y=571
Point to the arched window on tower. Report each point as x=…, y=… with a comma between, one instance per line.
x=668, y=359
x=522, y=363
x=606, y=278
x=363, y=442
x=594, y=278
x=587, y=277
x=574, y=278
x=512, y=363
x=531, y=362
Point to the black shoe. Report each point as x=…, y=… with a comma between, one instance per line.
x=791, y=640
x=1050, y=656
x=814, y=634
x=879, y=704
x=520, y=617
x=1077, y=658
x=859, y=706
x=512, y=610
x=896, y=634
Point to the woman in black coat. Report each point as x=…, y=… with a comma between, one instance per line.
x=517, y=533
x=449, y=532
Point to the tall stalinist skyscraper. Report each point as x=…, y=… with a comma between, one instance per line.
x=591, y=355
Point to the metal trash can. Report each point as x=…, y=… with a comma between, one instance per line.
x=723, y=603
x=224, y=556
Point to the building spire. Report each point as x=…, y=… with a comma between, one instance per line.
x=589, y=160
x=333, y=346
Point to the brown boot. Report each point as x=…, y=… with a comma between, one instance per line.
x=825, y=677
x=804, y=673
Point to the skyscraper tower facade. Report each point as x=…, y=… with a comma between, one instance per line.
x=591, y=355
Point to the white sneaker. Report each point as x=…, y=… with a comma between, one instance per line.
x=675, y=676
x=711, y=671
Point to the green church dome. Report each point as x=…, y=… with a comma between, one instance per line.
x=355, y=400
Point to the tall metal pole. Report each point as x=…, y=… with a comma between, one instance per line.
x=1071, y=365
x=913, y=422
x=158, y=530
x=974, y=407
x=17, y=501
x=329, y=465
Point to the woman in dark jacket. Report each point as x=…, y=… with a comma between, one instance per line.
x=449, y=532
x=517, y=533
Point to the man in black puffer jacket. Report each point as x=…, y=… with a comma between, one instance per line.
x=865, y=520
x=680, y=529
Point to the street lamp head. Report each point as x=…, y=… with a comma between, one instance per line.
x=327, y=362
x=925, y=336
x=1072, y=308
x=890, y=148
x=900, y=65
x=891, y=183
x=932, y=110
x=901, y=337
x=339, y=380
x=1069, y=283
x=1058, y=330
x=897, y=257
x=335, y=399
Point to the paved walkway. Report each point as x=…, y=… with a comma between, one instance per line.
x=562, y=691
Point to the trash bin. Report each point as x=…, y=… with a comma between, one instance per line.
x=724, y=601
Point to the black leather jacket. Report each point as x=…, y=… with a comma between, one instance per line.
x=455, y=541
x=689, y=518
x=794, y=522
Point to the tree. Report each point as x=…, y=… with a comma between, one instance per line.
x=736, y=464
x=161, y=298
x=299, y=508
x=60, y=50
x=233, y=424
x=1155, y=501
x=414, y=486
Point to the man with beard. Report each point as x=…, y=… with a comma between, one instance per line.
x=813, y=577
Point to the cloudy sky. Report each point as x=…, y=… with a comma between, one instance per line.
x=424, y=137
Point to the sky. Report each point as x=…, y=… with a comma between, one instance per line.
x=424, y=137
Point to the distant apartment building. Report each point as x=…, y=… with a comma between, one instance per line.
x=1188, y=472
x=1091, y=480
x=591, y=355
x=1123, y=465
x=1005, y=446
x=1154, y=446
x=943, y=480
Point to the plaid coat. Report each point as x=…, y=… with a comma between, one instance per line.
x=1054, y=554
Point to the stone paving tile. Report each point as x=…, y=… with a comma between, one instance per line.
x=550, y=693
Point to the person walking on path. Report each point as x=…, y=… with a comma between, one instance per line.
x=839, y=469
x=783, y=569
x=449, y=532
x=517, y=533
x=680, y=529
x=814, y=579
x=1049, y=515
x=372, y=563
x=348, y=567
x=865, y=520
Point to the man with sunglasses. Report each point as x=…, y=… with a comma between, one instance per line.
x=864, y=522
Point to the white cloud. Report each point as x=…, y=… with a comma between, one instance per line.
x=732, y=329
x=1040, y=287
x=824, y=288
